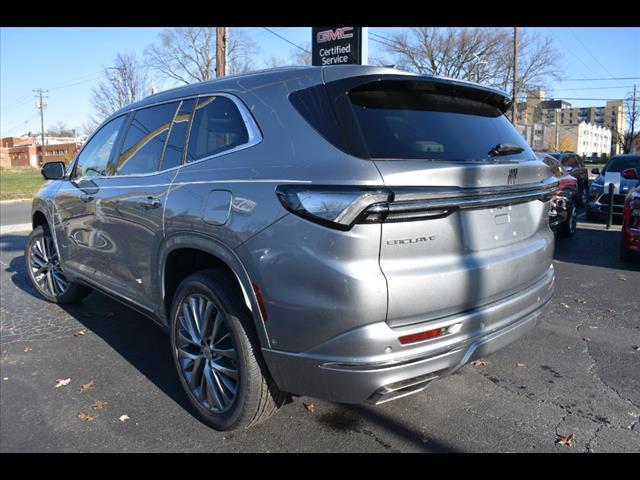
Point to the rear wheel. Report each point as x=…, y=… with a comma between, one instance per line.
x=45, y=272
x=217, y=355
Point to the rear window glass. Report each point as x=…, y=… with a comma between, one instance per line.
x=618, y=164
x=416, y=123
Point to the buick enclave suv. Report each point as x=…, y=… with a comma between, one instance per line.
x=349, y=233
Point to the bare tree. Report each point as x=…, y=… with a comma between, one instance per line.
x=302, y=57
x=188, y=54
x=125, y=82
x=478, y=54
x=60, y=129
x=626, y=141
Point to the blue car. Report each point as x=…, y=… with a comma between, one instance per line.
x=599, y=192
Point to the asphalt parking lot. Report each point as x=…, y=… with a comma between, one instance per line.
x=577, y=373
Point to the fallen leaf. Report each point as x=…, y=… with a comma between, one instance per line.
x=310, y=407
x=98, y=405
x=79, y=333
x=87, y=386
x=564, y=305
x=611, y=310
x=479, y=363
x=566, y=440
x=580, y=300
x=28, y=349
x=62, y=383
x=519, y=365
x=637, y=348
x=86, y=417
x=586, y=339
x=124, y=418
x=624, y=279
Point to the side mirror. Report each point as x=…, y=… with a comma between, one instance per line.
x=53, y=170
x=595, y=171
x=630, y=174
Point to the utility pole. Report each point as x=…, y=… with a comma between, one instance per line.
x=41, y=105
x=557, y=136
x=633, y=117
x=515, y=74
x=221, y=51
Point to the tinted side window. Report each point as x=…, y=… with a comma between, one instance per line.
x=175, y=144
x=144, y=142
x=569, y=161
x=95, y=155
x=217, y=126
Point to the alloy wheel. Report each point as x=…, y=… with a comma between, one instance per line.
x=206, y=353
x=45, y=267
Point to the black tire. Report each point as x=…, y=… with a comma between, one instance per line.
x=567, y=228
x=583, y=194
x=53, y=288
x=256, y=397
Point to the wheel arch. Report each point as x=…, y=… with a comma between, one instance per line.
x=208, y=253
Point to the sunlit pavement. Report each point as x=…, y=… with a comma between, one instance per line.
x=576, y=373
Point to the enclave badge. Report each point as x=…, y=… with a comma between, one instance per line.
x=513, y=174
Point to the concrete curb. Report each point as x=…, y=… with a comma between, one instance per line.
x=21, y=227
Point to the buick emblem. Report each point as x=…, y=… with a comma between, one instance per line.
x=513, y=174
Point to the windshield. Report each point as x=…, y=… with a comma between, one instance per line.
x=618, y=164
x=400, y=120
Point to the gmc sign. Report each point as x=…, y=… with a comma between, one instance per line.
x=339, y=45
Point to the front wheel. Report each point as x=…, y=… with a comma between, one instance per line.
x=217, y=354
x=45, y=272
x=568, y=227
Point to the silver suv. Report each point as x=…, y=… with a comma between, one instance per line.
x=349, y=233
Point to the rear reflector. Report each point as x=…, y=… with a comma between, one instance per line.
x=263, y=307
x=418, y=337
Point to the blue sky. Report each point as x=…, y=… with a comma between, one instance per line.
x=68, y=62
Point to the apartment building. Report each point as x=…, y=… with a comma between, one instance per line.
x=586, y=139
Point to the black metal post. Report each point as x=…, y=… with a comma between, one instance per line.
x=610, y=206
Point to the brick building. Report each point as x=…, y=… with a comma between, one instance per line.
x=27, y=151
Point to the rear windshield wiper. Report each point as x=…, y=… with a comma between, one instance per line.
x=505, y=149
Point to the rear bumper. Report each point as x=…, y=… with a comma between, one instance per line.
x=368, y=364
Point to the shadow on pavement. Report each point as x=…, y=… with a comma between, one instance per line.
x=12, y=242
x=598, y=248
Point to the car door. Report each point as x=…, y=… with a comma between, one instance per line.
x=130, y=203
x=77, y=235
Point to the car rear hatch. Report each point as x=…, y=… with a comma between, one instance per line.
x=467, y=223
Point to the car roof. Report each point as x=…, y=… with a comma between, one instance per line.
x=235, y=83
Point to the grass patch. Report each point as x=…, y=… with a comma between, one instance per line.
x=18, y=183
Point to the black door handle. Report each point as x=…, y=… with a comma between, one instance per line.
x=149, y=203
x=86, y=198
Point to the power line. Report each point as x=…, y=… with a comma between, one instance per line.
x=589, y=52
x=286, y=40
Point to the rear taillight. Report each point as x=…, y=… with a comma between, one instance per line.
x=335, y=206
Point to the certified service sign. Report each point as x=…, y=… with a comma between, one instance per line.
x=338, y=46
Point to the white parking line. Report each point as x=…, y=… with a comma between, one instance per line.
x=21, y=227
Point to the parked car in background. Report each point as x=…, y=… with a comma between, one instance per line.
x=574, y=164
x=563, y=214
x=630, y=241
x=597, y=208
x=349, y=233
